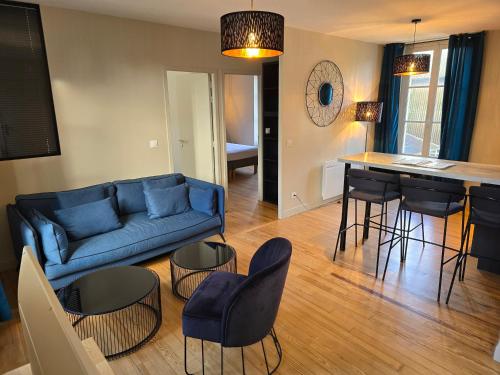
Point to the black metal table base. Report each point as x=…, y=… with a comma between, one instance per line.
x=185, y=281
x=125, y=330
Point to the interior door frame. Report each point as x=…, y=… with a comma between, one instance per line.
x=223, y=128
x=212, y=78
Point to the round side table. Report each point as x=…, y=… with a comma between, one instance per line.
x=119, y=307
x=191, y=264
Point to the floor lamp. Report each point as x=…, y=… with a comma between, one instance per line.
x=368, y=112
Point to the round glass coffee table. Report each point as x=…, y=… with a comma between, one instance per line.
x=191, y=264
x=119, y=307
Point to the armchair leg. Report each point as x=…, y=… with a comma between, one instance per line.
x=185, y=357
x=243, y=361
x=221, y=359
x=276, y=343
x=202, y=358
x=265, y=356
x=223, y=238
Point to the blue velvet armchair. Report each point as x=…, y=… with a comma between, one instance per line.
x=236, y=310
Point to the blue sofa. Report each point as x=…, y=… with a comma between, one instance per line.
x=139, y=238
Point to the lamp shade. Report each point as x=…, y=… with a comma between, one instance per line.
x=369, y=111
x=409, y=65
x=252, y=34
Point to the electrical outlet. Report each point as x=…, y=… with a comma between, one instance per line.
x=294, y=195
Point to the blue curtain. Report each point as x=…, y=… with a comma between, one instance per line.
x=461, y=88
x=386, y=133
x=5, y=313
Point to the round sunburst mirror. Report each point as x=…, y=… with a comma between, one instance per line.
x=324, y=93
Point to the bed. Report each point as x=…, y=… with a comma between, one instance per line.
x=239, y=156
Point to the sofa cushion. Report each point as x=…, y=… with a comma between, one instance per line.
x=202, y=315
x=53, y=237
x=166, y=201
x=130, y=195
x=139, y=234
x=202, y=200
x=159, y=183
x=77, y=197
x=47, y=203
x=88, y=219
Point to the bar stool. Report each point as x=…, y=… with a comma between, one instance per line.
x=373, y=187
x=484, y=214
x=432, y=198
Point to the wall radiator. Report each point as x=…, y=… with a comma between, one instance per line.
x=333, y=179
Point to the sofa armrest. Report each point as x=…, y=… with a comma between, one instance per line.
x=23, y=234
x=219, y=190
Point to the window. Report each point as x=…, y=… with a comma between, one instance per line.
x=421, y=103
x=27, y=119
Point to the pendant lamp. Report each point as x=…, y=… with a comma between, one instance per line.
x=252, y=34
x=412, y=64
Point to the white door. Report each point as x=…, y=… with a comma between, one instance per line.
x=190, y=124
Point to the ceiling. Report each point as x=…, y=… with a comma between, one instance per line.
x=379, y=21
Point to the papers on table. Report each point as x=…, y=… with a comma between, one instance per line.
x=434, y=164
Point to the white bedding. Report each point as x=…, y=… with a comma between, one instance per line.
x=236, y=151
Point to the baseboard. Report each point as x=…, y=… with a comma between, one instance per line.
x=308, y=206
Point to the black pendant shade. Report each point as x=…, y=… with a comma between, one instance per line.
x=369, y=111
x=412, y=64
x=409, y=65
x=252, y=34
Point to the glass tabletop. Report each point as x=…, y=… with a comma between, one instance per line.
x=107, y=290
x=203, y=255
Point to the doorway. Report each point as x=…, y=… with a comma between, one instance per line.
x=190, y=122
x=241, y=118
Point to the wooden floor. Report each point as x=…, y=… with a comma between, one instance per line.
x=334, y=317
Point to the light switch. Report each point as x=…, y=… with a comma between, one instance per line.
x=153, y=143
x=289, y=142
x=268, y=130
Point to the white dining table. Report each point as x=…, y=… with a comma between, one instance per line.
x=459, y=170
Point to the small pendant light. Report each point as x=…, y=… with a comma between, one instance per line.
x=252, y=34
x=412, y=64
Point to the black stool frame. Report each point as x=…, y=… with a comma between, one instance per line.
x=406, y=233
x=368, y=222
x=465, y=242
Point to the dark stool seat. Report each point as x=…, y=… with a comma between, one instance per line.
x=202, y=316
x=374, y=197
x=436, y=209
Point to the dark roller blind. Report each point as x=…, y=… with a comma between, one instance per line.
x=27, y=120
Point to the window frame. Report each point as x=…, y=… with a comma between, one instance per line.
x=437, y=48
x=50, y=95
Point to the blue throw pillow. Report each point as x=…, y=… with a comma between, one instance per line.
x=202, y=200
x=77, y=197
x=130, y=197
x=88, y=219
x=53, y=238
x=167, y=201
x=159, y=183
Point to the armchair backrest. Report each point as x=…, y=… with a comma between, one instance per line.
x=251, y=310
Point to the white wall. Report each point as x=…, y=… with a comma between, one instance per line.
x=108, y=83
x=305, y=147
x=485, y=139
x=239, y=108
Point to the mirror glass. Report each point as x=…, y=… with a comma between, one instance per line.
x=325, y=94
